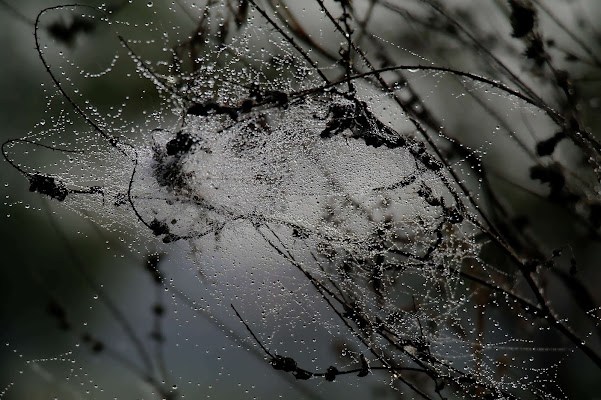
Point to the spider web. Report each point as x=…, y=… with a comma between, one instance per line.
x=317, y=212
